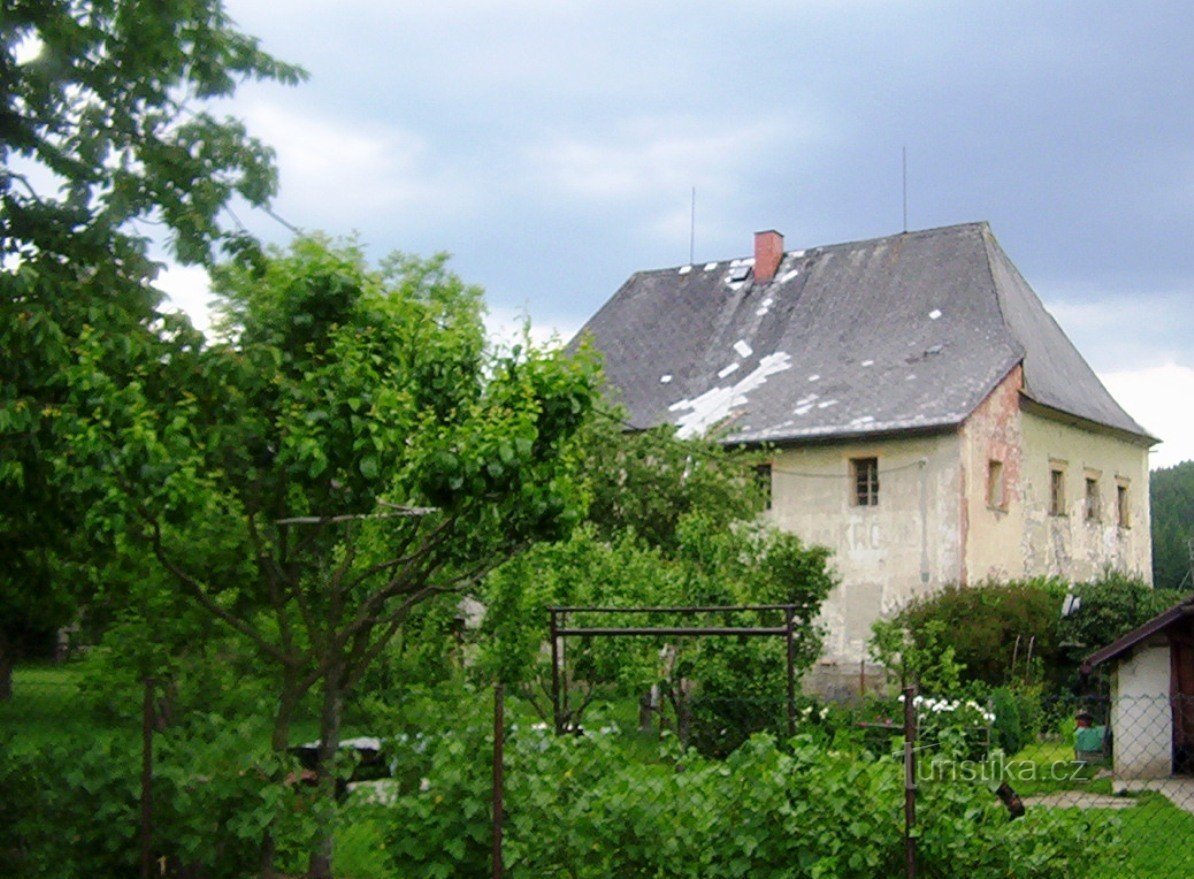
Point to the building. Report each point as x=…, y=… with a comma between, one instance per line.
x=1152, y=696
x=929, y=421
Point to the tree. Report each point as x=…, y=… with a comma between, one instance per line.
x=1172, y=498
x=103, y=131
x=671, y=522
x=354, y=451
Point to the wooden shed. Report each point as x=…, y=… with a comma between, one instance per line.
x=1152, y=696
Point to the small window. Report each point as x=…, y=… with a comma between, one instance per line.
x=1094, y=511
x=763, y=480
x=1123, y=510
x=865, y=473
x=1056, y=492
x=995, y=493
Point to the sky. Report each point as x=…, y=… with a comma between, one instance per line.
x=552, y=148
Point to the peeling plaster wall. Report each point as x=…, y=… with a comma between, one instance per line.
x=992, y=527
x=885, y=554
x=1073, y=545
x=1019, y=537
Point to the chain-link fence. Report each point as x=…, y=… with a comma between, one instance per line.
x=673, y=784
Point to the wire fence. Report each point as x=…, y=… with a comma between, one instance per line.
x=700, y=787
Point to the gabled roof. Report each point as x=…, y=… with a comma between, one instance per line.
x=1182, y=610
x=906, y=332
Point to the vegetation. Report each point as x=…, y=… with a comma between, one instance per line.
x=104, y=128
x=598, y=806
x=1014, y=632
x=1172, y=496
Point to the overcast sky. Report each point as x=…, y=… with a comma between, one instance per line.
x=552, y=146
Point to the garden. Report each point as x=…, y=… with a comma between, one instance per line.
x=248, y=571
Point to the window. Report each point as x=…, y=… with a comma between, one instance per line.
x=995, y=493
x=763, y=481
x=1094, y=511
x=1123, y=512
x=1056, y=492
x=865, y=473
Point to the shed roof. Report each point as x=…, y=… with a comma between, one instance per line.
x=1184, y=609
x=906, y=332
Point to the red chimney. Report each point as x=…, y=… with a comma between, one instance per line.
x=769, y=252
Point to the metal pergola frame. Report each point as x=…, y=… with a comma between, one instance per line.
x=559, y=630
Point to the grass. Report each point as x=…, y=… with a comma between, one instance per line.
x=1159, y=838
x=46, y=707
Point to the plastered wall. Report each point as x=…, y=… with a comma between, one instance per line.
x=885, y=554
x=1141, y=714
x=1023, y=538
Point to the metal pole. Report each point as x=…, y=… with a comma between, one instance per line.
x=147, y=779
x=499, y=750
x=789, y=613
x=909, y=782
x=557, y=718
x=862, y=678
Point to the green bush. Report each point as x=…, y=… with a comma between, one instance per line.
x=598, y=806
x=73, y=807
x=1009, y=735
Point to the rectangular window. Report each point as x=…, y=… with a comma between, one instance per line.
x=1123, y=512
x=995, y=493
x=1094, y=511
x=865, y=479
x=763, y=481
x=1056, y=492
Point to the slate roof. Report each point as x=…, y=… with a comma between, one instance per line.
x=907, y=332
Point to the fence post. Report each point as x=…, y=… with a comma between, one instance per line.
x=557, y=716
x=909, y=782
x=789, y=626
x=147, y=718
x=499, y=750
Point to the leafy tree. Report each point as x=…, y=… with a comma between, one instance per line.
x=725, y=686
x=354, y=451
x=103, y=131
x=1172, y=497
x=1014, y=632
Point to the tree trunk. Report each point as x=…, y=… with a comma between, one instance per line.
x=329, y=745
x=279, y=741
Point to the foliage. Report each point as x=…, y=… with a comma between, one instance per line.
x=921, y=657
x=1110, y=606
x=1171, y=492
x=72, y=808
x=648, y=482
x=1013, y=633
x=351, y=451
x=593, y=806
x=1009, y=734
x=702, y=680
x=104, y=126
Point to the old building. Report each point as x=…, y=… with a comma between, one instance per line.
x=929, y=421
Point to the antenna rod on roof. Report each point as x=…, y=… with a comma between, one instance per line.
x=904, y=156
x=692, y=230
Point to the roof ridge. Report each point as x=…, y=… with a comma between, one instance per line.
x=915, y=233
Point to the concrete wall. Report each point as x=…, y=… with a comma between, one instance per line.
x=885, y=554
x=1141, y=714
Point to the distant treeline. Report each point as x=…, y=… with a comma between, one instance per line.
x=1172, y=491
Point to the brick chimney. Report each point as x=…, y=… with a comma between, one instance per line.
x=769, y=252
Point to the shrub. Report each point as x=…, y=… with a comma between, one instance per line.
x=1009, y=735
x=598, y=806
x=73, y=807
